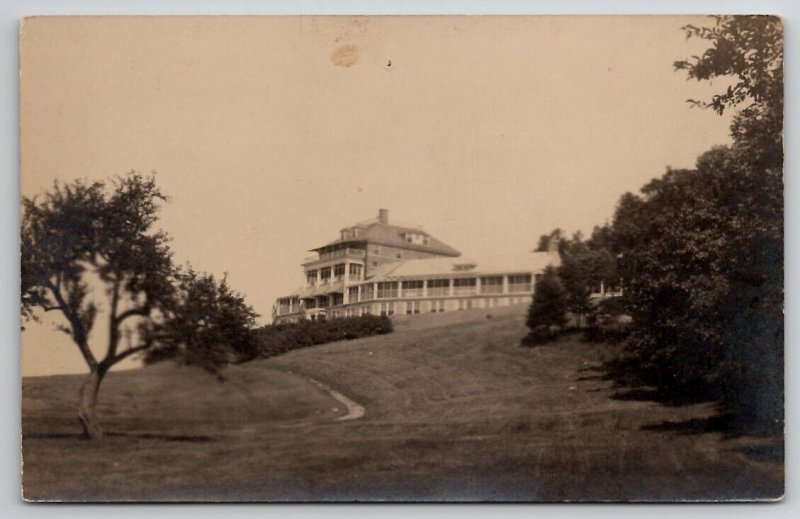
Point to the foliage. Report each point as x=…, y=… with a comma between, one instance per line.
x=583, y=269
x=281, y=338
x=209, y=324
x=79, y=230
x=81, y=235
x=548, y=309
x=702, y=250
x=749, y=50
x=81, y=241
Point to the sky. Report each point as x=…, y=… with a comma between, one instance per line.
x=271, y=134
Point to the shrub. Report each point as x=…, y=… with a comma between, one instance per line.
x=547, y=313
x=281, y=338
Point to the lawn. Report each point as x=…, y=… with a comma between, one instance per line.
x=454, y=409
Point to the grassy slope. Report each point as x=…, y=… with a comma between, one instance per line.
x=454, y=411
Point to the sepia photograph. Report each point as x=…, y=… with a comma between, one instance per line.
x=280, y=259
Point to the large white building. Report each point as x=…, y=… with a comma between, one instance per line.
x=383, y=269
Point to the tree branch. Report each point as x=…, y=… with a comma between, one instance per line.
x=130, y=351
x=78, y=333
x=113, y=324
x=143, y=311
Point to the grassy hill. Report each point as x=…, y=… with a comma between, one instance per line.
x=454, y=409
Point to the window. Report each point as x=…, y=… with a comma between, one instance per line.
x=437, y=306
x=325, y=275
x=464, y=286
x=376, y=251
x=399, y=255
x=367, y=292
x=338, y=271
x=387, y=289
x=412, y=288
x=387, y=308
x=310, y=303
x=311, y=276
x=462, y=304
x=337, y=299
x=519, y=283
x=412, y=307
x=352, y=295
x=492, y=285
x=438, y=287
x=323, y=301
x=374, y=263
x=355, y=271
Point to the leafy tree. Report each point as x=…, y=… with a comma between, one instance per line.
x=701, y=251
x=582, y=271
x=209, y=324
x=749, y=50
x=82, y=241
x=549, y=304
x=79, y=237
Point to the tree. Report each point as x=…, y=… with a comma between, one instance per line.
x=582, y=270
x=548, y=308
x=543, y=245
x=209, y=324
x=80, y=236
x=748, y=49
x=701, y=251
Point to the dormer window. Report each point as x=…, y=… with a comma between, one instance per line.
x=417, y=238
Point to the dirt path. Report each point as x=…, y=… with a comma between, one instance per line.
x=354, y=409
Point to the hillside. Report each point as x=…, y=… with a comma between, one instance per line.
x=451, y=410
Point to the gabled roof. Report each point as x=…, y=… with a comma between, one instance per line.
x=526, y=262
x=376, y=232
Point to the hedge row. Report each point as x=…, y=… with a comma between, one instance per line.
x=281, y=338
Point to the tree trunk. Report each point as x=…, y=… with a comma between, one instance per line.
x=88, y=401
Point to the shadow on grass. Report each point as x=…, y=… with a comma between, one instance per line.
x=715, y=423
x=772, y=453
x=726, y=424
x=633, y=383
x=139, y=436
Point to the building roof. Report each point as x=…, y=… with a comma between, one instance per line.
x=318, y=290
x=467, y=266
x=380, y=232
x=521, y=263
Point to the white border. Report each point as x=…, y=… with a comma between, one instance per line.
x=10, y=12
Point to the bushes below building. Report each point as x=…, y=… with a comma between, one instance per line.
x=281, y=338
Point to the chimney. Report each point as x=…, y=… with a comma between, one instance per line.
x=383, y=216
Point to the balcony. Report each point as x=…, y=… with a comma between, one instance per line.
x=341, y=253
